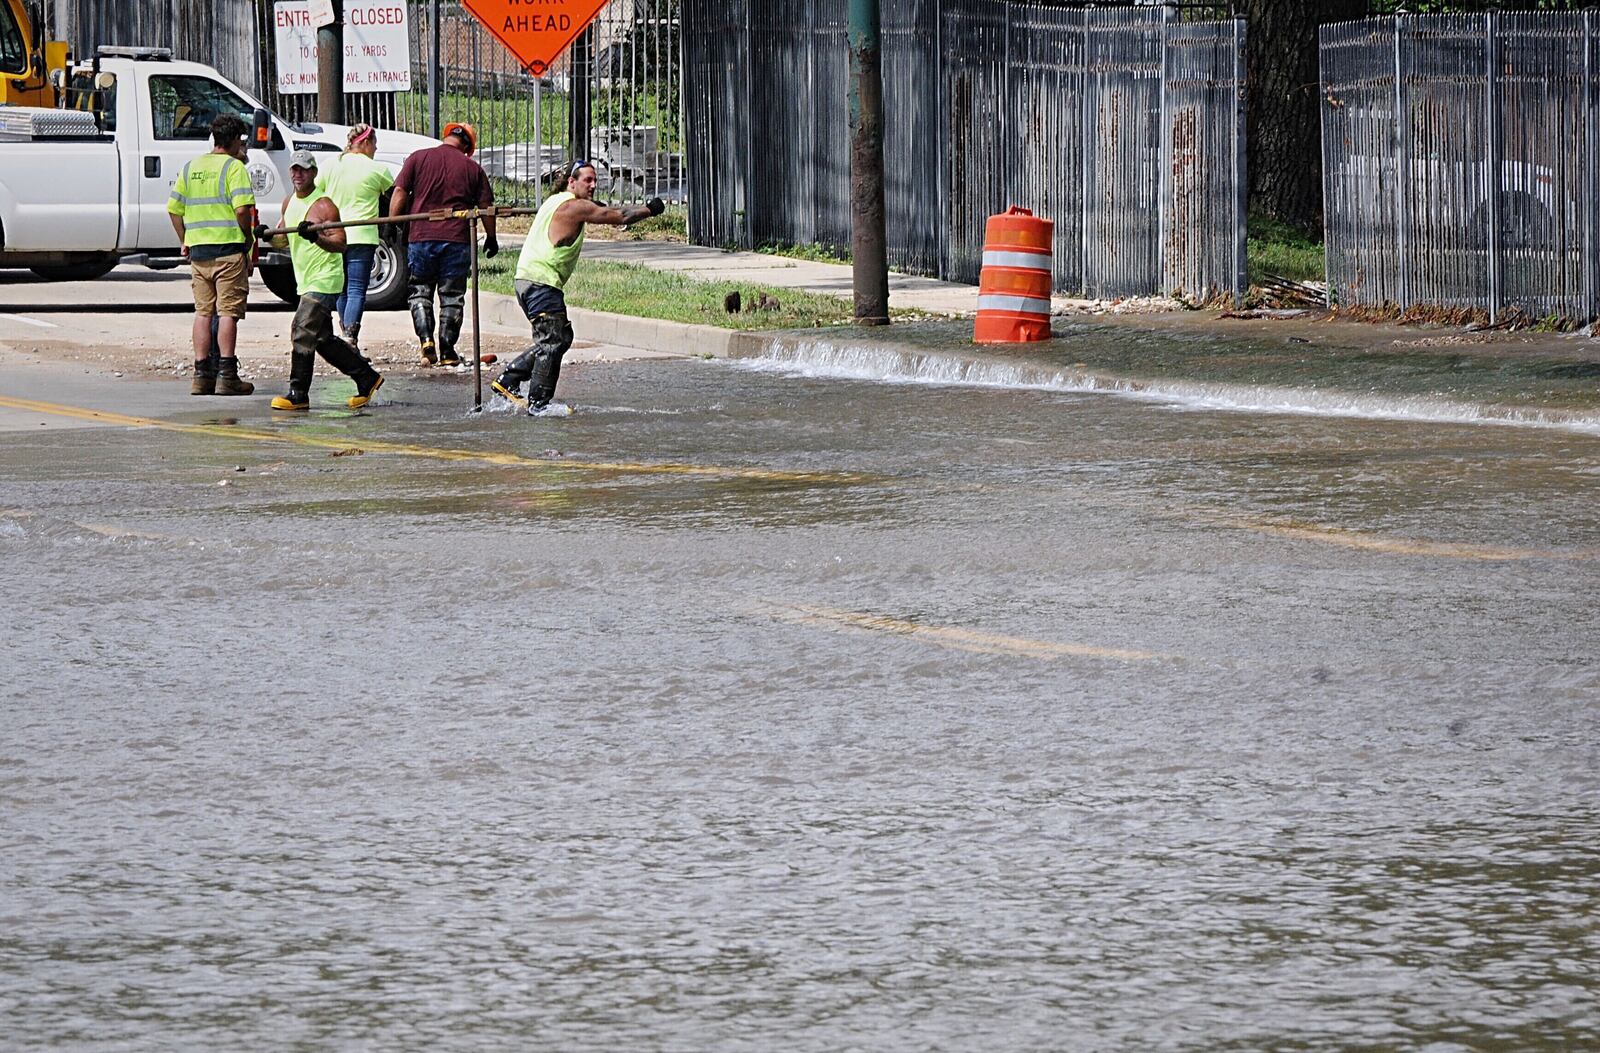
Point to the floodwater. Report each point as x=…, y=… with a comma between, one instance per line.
x=916, y=716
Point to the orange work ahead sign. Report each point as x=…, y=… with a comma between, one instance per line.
x=536, y=31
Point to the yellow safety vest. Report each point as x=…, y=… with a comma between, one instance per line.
x=542, y=262
x=206, y=193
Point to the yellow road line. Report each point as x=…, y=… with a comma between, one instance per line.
x=432, y=452
x=1393, y=545
x=958, y=639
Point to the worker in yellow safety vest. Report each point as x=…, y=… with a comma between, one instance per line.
x=212, y=207
x=319, y=278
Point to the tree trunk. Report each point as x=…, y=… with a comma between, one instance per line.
x=1284, y=108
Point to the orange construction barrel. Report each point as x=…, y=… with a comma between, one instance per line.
x=1014, y=286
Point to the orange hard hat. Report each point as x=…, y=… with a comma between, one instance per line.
x=466, y=131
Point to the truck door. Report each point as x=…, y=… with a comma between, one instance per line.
x=175, y=128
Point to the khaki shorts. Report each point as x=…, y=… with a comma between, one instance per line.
x=221, y=286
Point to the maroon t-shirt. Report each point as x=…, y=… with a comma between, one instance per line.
x=442, y=177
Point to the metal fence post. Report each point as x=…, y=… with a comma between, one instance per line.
x=1086, y=160
x=1591, y=155
x=1491, y=53
x=811, y=126
x=1164, y=176
x=942, y=137
x=1241, y=169
x=1402, y=160
x=746, y=180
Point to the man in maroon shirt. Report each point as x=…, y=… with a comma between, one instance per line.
x=439, y=253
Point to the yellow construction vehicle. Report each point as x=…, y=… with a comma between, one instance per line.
x=26, y=56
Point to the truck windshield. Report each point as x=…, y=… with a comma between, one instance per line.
x=13, y=51
x=183, y=107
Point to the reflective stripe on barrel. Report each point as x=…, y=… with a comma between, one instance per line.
x=1014, y=287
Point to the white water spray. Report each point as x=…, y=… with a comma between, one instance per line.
x=868, y=362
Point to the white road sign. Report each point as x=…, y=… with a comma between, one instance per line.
x=377, y=46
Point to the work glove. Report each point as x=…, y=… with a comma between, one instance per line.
x=491, y=246
x=262, y=231
x=656, y=206
x=305, y=231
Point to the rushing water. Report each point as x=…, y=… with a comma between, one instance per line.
x=947, y=718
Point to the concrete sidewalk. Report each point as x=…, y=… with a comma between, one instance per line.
x=760, y=268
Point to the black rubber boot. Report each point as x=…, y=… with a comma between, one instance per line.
x=452, y=312
x=542, y=384
x=517, y=373
x=353, y=334
x=347, y=360
x=419, y=297
x=343, y=357
x=299, y=396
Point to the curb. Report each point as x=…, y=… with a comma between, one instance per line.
x=680, y=339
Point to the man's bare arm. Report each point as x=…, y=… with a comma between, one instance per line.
x=323, y=210
x=570, y=218
x=177, y=225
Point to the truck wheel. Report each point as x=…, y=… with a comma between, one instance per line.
x=280, y=280
x=80, y=271
x=390, y=277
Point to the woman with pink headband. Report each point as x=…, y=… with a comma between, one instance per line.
x=356, y=183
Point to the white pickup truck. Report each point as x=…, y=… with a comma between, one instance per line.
x=86, y=187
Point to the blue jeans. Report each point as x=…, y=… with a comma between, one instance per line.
x=433, y=261
x=438, y=267
x=357, y=274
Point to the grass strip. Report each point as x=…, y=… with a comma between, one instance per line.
x=626, y=288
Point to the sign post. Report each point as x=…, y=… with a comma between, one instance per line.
x=330, y=66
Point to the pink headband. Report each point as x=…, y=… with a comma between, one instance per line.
x=358, y=139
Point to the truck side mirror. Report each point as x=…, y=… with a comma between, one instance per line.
x=262, y=137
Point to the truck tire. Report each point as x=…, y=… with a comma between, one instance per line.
x=280, y=280
x=390, y=276
x=77, y=271
x=386, y=292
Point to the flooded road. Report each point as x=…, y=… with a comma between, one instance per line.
x=754, y=707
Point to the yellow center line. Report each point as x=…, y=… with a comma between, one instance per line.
x=958, y=639
x=432, y=452
x=1393, y=545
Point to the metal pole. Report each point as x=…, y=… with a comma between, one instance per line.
x=434, y=126
x=1165, y=190
x=1241, y=161
x=477, y=345
x=1491, y=60
x=1086, y=160
x=1402, y=175
x=868, y=237
x=330, y=68
x=580, y=113
x=1591, y=147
